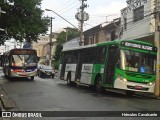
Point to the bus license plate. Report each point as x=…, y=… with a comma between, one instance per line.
x=138, y=87
x=23, y=74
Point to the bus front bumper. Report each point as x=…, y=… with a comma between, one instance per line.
x=24, y=74
x=133, y=86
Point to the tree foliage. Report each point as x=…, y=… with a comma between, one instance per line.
x=23, y=20
x=71, y=33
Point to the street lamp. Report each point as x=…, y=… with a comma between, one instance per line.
x=62, y=18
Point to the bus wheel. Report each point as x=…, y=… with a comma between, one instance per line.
x=69, y=79
x=129, y=93
x=98, y=86
x=40, y=74
x=31, y=78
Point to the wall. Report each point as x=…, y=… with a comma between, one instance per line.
x=141, y=28
x=101, y=33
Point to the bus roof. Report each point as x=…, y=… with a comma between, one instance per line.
x=115, y=42
x=80, y=47
x=120, y=41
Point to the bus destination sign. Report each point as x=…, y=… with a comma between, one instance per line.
x=139, y=46
x=23, y=52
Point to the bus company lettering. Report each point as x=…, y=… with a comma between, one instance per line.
x=87, y=68
x=147, y=47
x=134, y=45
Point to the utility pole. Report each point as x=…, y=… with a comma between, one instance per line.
x=157, y=43
x=50, y=45
x=82, y=16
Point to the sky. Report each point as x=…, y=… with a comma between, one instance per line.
x=99, y=11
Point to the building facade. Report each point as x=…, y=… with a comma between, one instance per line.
x=43, y=46
x=137, y=20
x=102, y=33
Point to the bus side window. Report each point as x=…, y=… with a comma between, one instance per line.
x=118, y=58
x=101, y=55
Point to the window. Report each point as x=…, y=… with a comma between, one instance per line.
x=21, y=60
x=125, y=23
x=138, y=13
x=98, y=55
x=113, y=35
x=70, y=57
x=91, y=40
x=138, y=62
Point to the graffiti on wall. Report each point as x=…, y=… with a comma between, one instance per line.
x=131, y=5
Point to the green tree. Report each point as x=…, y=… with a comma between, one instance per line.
x=24, y=20
x=61, y=39
x=71, y=33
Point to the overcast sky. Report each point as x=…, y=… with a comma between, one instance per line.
x=99, y=11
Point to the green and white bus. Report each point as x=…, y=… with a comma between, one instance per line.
x=129, y=65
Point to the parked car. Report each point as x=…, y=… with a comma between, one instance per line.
x=45, y=71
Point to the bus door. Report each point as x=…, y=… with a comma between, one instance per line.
x=110, y=64
x=63, y=62
x=79, y=66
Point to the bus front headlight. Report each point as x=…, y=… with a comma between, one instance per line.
x=150, y=83
x=122, y=79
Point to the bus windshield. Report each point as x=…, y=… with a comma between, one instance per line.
x=24, y=60
x=138, y=62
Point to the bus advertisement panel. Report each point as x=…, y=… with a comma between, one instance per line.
x=128, y=65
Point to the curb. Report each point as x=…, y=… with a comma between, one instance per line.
x=7, y=102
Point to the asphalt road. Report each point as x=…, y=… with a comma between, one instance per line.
x=54, y=95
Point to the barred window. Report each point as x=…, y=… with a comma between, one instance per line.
x=138, y=13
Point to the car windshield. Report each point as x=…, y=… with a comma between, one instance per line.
x=138, y=62
x=21, y=60
x=44, y=64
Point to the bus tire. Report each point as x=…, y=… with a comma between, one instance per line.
x=40, y=74
x=129, y=93
x=69, y=79
x=98, y=86
x=31, y=78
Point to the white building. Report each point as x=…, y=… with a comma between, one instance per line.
x=43, y=46
x=137, y=20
